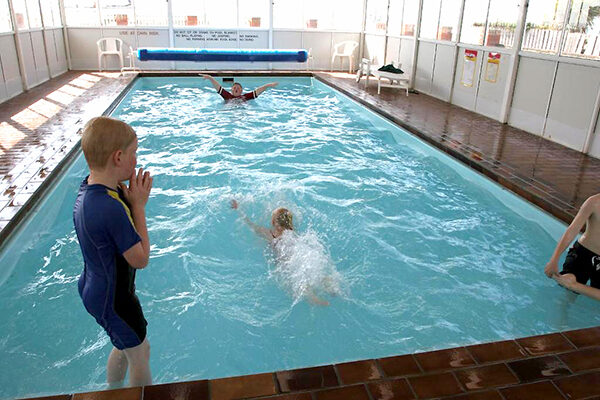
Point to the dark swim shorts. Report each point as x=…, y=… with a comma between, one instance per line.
x=584, y=264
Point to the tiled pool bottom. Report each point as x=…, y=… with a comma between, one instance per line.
x=555, y=366
x=555, y=375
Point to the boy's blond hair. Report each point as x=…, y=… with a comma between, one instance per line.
x=101, y=137
x=284, y=218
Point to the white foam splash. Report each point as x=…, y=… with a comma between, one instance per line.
x=303, y=266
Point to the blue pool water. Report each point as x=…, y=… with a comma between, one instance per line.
x=413, y=251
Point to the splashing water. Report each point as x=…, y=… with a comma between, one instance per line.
x=303, y=266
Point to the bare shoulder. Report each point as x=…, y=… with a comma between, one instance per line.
x=594, y=201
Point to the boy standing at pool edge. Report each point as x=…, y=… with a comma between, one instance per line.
x=583, y=259
x=110, y=223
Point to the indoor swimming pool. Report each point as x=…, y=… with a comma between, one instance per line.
x=413, y=250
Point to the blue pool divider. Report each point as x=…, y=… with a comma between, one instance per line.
x=247, y=55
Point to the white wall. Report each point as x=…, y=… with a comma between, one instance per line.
x=10, y=84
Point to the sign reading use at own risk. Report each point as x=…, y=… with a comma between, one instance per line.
x=468, y=73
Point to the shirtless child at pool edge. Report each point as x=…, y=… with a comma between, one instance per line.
x=281, y=220
x=583, y=259
x=236, y=89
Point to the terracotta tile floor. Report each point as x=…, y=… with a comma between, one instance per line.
x=38, y=129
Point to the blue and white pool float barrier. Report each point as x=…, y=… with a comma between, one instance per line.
x=243, y=55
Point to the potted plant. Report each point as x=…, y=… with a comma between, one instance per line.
x=311, y=23
x=191, y=20
x=121, y=19
x=254, y=22
x=408, y=30
x=445, y=33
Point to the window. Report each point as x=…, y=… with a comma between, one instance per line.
x=153, y=13
x=583, y=30
x=430, y=18
x=544, y=25
x=51, y=13
x=449, y=19
x=474, y=20
x=81, y=13
x=117, y=13
x=33, y=12
x=343, y=15
x=20, y=10
x=377, y=11
x=409, y=17
x=5, y=23
x=502, y=21
x=205, y=13
x=253, y=14
x=395, y=17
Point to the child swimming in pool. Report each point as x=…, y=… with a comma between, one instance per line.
x=282, y=226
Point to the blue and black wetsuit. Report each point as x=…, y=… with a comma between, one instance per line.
x=105, y=230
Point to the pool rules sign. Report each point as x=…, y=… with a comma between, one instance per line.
x=468, y=72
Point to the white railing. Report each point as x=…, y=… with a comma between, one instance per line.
x=576, y=43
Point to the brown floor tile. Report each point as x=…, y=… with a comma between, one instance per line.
x=359, y=371
x=436, y=385
x=243, y=386
x=357, y=392
x=63, y=397
x=580, y=386
x=294, y=396
x=307, y=378
x=544, y=344
x=532, y=391
x=399, y=366
x=497, y=351
x=487, y=395
x=532, y=369
x=584, y=337
x=121, y=394
x=486, y=377
x=582, y=360
x=196, y=390
x=444, y=359
x=396, y=389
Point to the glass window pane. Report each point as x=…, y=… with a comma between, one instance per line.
x=50, y=13
x=151, y=12
x=429, y=19
x=253, y=14
x=117, y=12
x=544, y=25
x=5, y=22
x=20, y=14
x=583, y=30
x=449, y=19
x=409, y=18
x=395, y=17
x=376, y=16
x=347, y=14
x=317, y=15
x=287, y=14
x=33, y=11
x=187, y=13
x=81, y=13
x=473, y=25
x=220, y=14
x=502, y=22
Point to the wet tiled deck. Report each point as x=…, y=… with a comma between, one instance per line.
x=41, y=127
x=557, y=366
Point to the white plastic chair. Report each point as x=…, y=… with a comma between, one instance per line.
x=310, y=62
x=109, y=46
x=344, y=50
x=131, y=67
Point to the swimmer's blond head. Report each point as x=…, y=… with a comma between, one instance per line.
x=282, y=218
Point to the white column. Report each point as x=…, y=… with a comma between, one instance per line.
x=416, y=46
x=170, y=16
x=457, y=47
x=361, y=51
x=63, y=21
x=45, y=42
x=592, y=127
x=514, y=65
x=18, y=45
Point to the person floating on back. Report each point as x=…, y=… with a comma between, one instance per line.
x=583, y=259
x=110, y=223
x=236, y=90
x=281, y=222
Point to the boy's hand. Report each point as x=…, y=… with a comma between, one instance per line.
x=205, y=76
x=139, y=188
x=234, y=204
x=273, y=84
x=551, y=269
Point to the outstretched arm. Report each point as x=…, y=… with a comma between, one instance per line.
x=582, y=216
x=259, y=230
x=214, y=82
x=261, y=89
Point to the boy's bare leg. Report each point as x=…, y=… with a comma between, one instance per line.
x=116, y=368
x=138, y=358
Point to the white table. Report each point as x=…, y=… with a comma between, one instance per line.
x=397, y=81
